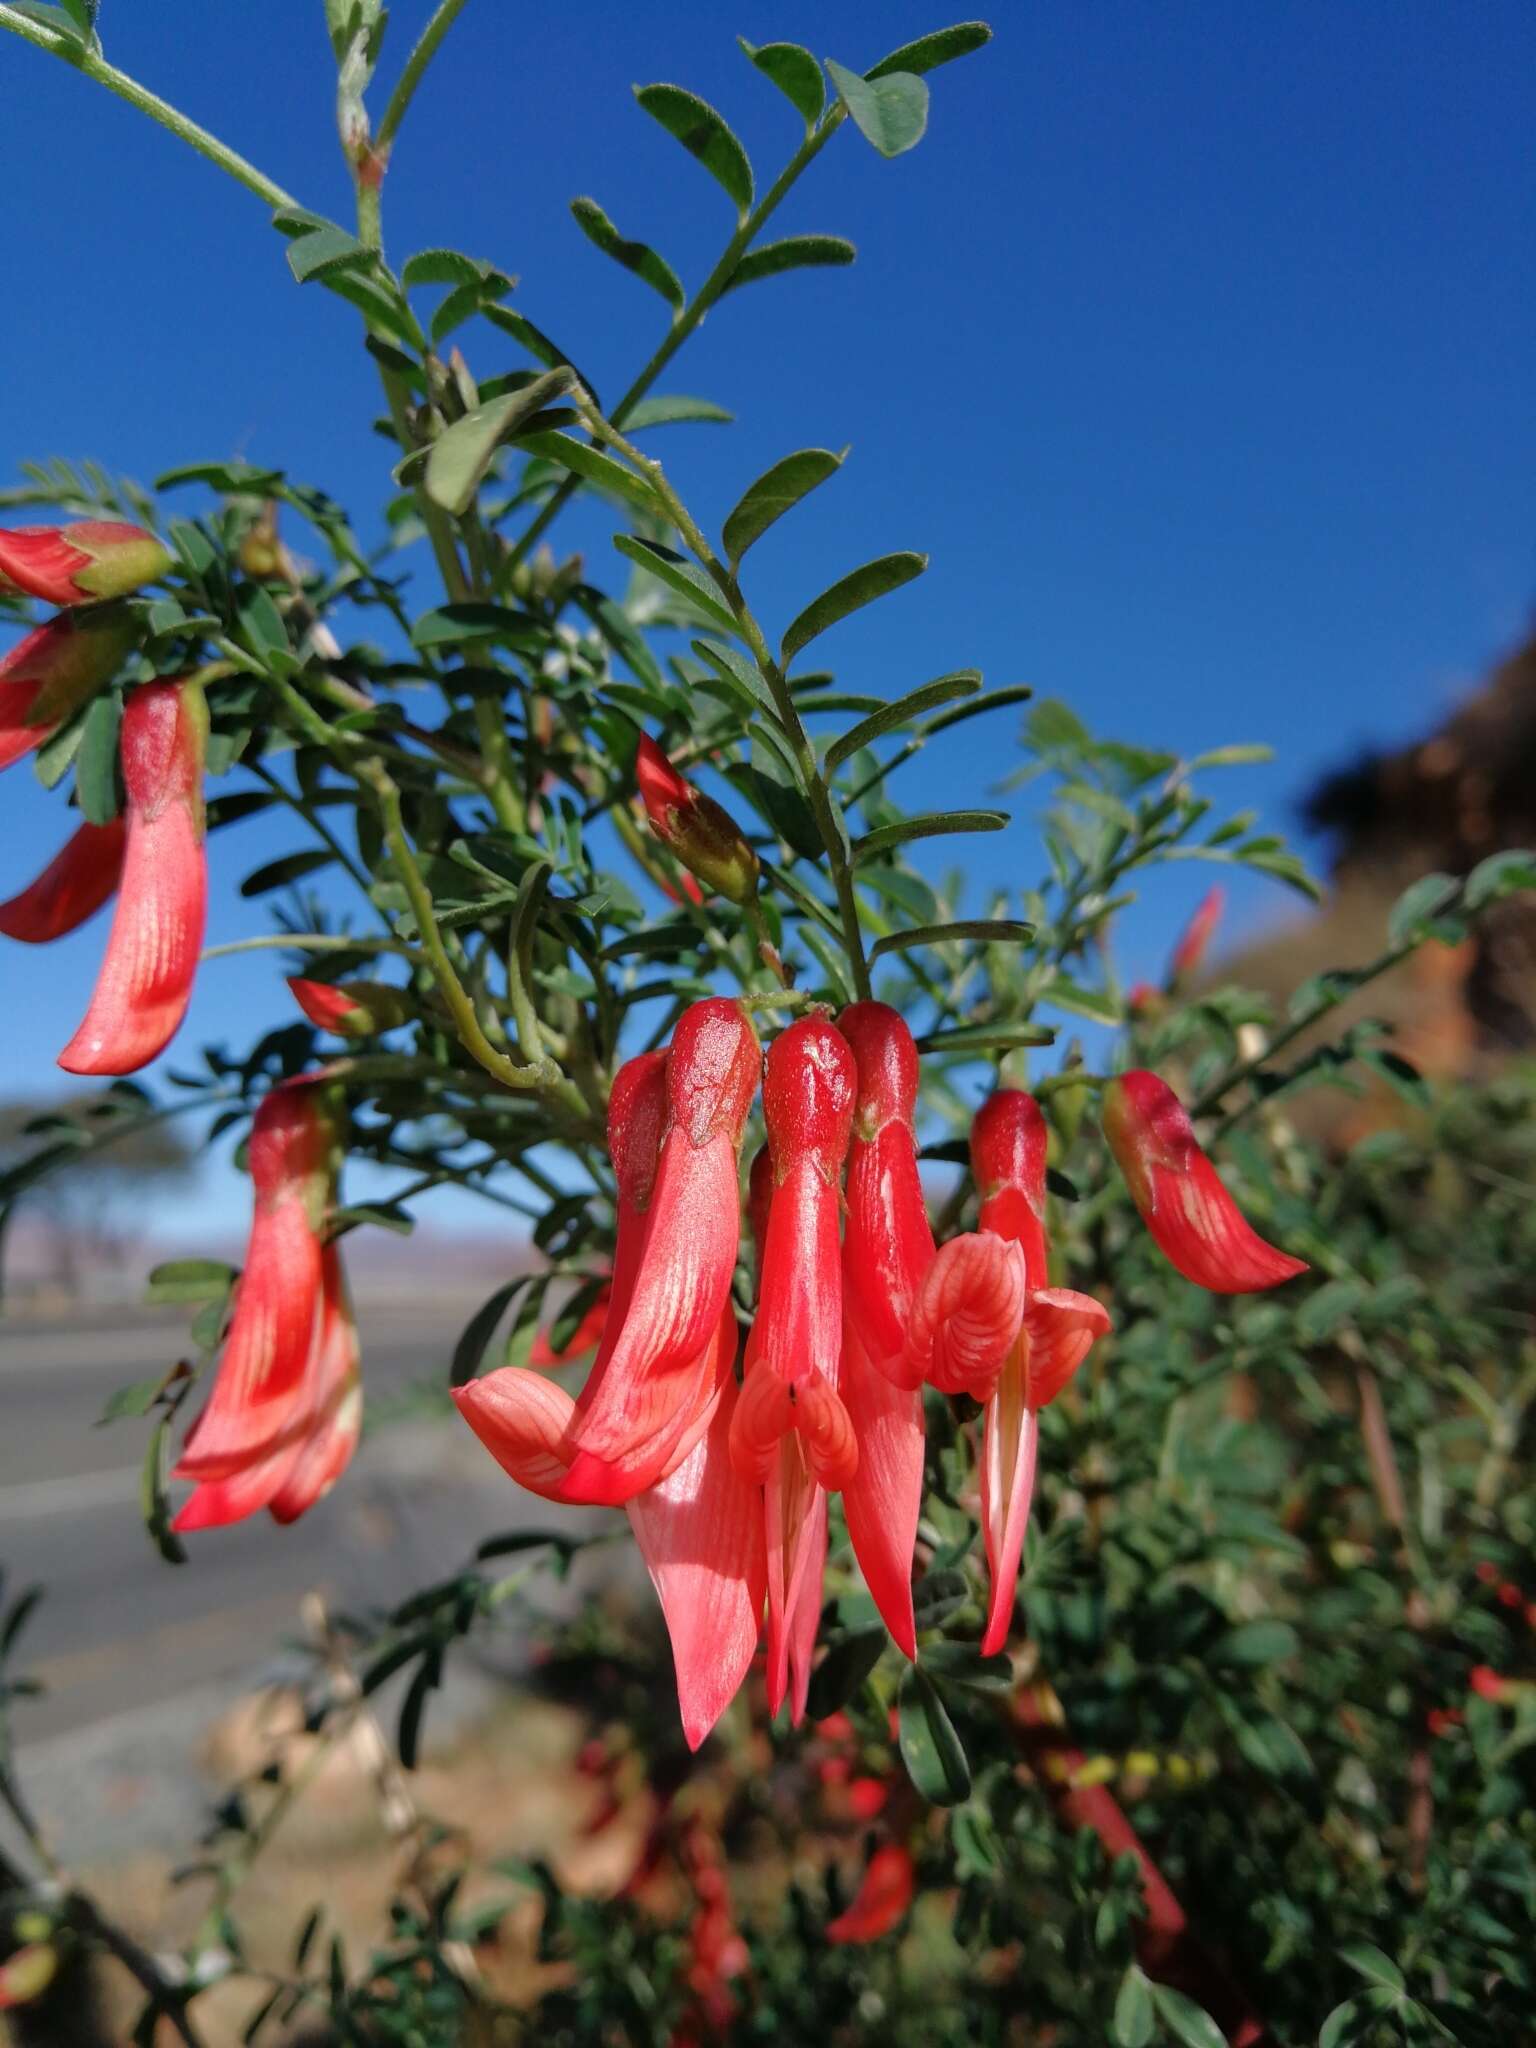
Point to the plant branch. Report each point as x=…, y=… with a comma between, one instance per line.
x=94, y=66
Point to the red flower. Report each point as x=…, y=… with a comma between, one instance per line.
x=699, y=1528
x=1194, y=1221
x=1008, y=1156
x=48, y=676
x=74, y=885
x=92, y=558
x=145, y=982
x=350, y=1009
x=1489, y=1684
x=887, y=1252
x=791, y=1433
x=289, y=1481
x=259, y=1403
x=882, y=1899
x=662, y=1369
x=1196, y=936
x=698, y=831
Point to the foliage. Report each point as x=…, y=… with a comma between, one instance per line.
x=1268, y=1529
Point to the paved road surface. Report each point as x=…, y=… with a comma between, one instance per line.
x=139, y=1655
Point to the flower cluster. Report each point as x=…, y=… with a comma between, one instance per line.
x=727, y=1483
x=149, y=854
x=282, y=1421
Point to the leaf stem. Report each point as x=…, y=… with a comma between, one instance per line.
x=691, y=317
x=94, y=66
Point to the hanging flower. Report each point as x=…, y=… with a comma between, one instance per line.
x=262, y=1403
x=145, y=982
x=74, y=564
x=1193, y=1220
x=663, y=1367
x=49, y=675
x=329, y=1419
x=791, y=1433
x=79, y=879
x=696, y=830
x=698, y=1526
x=887, y=1251
x=882, y=1900
x=1008, y=1156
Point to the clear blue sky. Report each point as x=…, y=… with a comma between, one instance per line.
x=1194, y=344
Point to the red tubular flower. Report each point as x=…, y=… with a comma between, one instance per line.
x=290, y=1480
x=882, y=1900
x=791, y=1433
x=258, y=1403
x=48, y=676
x=698, y=831
x=74, y=885
x=75, y=564
x=662, y=1369
x=1008, y=1156
x=1196, y=936
x=145, y=982
x=1194, y=1222
x=698, y=1526
x=887, y=1251
x=350, y=1009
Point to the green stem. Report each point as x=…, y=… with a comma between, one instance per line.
x=543, y=1075
x=691, y=317
x=817, y=793
x=1245, y=1070
x=416, y=64
x=96, y=67
x=307, y=942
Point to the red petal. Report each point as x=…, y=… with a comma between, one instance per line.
x=883, y=1499
x=805, y=1615
x=74, y=885
x=700, y=1532
x=337, y=1400
x=794, y=1526
x=1194, y=1221
x=680, y=1292
x=1060, y=1328
x=967, y=1314
x=882, y=1899
x=1009, y=1143
x=1007, y=1485
x=40, y=561
x=257, y=1400
x=145, y=982
x=666, y=1416
x=521, y=1417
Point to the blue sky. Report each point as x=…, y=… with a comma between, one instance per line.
x=1193, y=344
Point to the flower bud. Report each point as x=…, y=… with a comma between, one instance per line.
x=80, y=563
x=27, y=1973
x=351, y=1009
x=703, y=836
x=1196, y=937
x=46, y=678
x=1193, y=1219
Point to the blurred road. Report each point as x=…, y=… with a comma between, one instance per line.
x=138, y=1654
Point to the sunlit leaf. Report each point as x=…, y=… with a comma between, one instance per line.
x=890, y=112
x=775, y=491
x=705, y=134
x=635, y=256
x=850, y=594
x=794, y=252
